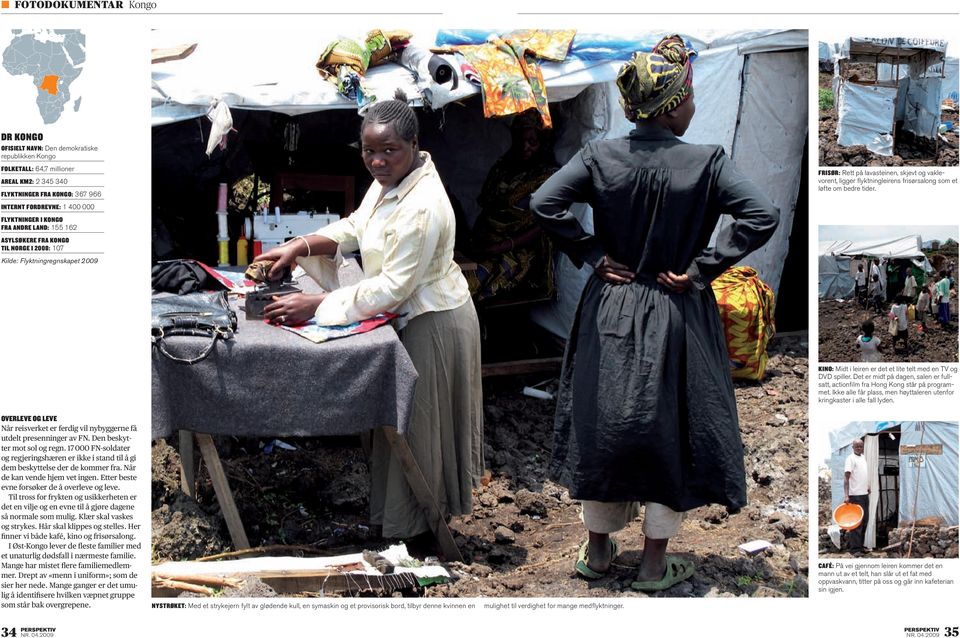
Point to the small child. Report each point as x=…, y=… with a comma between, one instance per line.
x=869, y=345
x=898, y=311
x=923, y=305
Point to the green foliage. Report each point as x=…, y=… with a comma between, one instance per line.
x=826, y=99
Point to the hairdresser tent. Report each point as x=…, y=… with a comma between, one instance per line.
x=913, y=471
x=275, y=93
x=909, y=74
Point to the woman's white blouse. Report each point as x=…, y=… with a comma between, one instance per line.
x=405, y=237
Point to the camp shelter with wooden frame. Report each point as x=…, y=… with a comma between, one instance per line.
x=902, y=93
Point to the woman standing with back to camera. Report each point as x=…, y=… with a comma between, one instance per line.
x=646, y=412
x=405, y=230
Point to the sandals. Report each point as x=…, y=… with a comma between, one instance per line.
x=678, y=570
x=584, y=570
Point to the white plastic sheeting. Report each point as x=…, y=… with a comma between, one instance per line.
x=866, y=116
x=910, y=72
x=824, y=52
x=772, y=102
x=951, y=80
x=833, y=273
x=890, y=46
x=928, y=481
x=922, y=109
x=763, y=130
x=930, y=492
x=833, y=270
x=252, y=72
x=907, y=247
x=769, y=145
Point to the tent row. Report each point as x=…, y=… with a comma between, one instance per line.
x=279, y=103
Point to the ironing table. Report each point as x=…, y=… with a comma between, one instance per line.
x=269, y=382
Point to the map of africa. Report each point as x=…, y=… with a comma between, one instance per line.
x=54, y=59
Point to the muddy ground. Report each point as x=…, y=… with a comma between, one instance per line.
x=840, y=326
x=929, y=539
x=523, y=535
x=909, y=151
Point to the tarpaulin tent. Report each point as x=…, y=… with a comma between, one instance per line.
x=912, y=465
x=835, y=274
x=763, y=130
x=834, y=279
x=906, y=87
x=951, y=80
x=826, y=54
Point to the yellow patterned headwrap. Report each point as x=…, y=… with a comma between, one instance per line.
x=655, y=83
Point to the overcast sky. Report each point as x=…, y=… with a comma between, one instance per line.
x=870, y=233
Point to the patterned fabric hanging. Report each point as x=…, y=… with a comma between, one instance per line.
x=509, y=69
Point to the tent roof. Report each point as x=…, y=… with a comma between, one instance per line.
x=908, y=247
x=854, y=430
x=833, y=247
x=894, y=46
x=249, y=71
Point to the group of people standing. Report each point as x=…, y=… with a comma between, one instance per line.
x=646, y=412
x=912, y=302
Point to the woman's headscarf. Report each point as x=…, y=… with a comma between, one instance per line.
x=655, y=83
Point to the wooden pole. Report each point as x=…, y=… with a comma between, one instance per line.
x=425, y=496
x=222, y=487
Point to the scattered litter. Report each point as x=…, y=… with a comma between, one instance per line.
x=276, y=443
x=536, y=394
x=755, y=547
x=833, y=531
x=427, y=573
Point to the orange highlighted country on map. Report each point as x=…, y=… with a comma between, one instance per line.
x=49, y=84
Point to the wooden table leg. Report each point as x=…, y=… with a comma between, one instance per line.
x=188, y=469
x=425, y=496
x=222, y=488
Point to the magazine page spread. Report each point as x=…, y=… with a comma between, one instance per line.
x=545, y=317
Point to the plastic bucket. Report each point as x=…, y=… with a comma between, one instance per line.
x=848, y=516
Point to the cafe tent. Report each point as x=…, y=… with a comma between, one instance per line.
x=751, y=89
x=912, y=467
x=905, y=86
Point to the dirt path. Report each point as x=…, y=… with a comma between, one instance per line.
x=840, y=325
x=523, y=535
